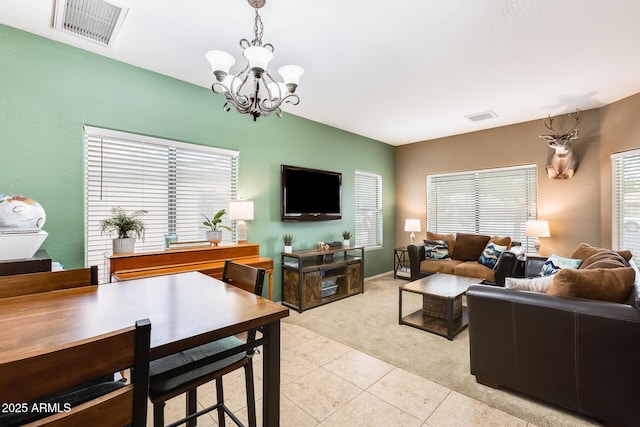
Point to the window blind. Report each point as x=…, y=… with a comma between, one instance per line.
x=625, y=195
x=368, y=209
x=492, y=201
x=174, y=181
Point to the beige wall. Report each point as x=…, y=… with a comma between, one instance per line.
x=578, y=209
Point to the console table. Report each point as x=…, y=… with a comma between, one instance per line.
x=38, y=263
x=319, y=276
x=208, y=260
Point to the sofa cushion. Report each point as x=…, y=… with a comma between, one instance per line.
x=449, y=238
x=436, y=249
x=604, y=284
x=492, y=252
x=439, y=266
x=468, y=247
x=474, y=269
x=585, y=252
x=555, y=262
x=534, y=284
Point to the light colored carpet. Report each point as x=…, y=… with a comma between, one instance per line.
x=369, y=323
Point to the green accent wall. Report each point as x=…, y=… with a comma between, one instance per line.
x=50, y=90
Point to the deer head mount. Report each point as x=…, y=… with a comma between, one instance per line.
x=561, y=161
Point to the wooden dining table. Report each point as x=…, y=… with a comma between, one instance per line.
x=185, y=310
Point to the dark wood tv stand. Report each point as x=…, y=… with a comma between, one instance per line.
x=311, y=278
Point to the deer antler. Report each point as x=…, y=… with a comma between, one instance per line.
x=577, y=116
x=550, y=125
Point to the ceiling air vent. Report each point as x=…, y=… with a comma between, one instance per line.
x=481, y=116
x=95, y=20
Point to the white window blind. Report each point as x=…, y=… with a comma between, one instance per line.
x=625, y=195
x=368, y=212
x=174, y=181
x=493, y=202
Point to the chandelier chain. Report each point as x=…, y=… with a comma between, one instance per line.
x=258, y=30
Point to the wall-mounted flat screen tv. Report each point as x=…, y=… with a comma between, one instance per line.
x=310, y=194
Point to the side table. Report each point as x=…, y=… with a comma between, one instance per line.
x=401, y=267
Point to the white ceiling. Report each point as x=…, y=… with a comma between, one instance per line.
x=398, y=71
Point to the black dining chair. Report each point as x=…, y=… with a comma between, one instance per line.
x=183, y=372
x=64, y=386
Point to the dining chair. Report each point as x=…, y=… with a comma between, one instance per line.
x=183, y=372
x=61, y=386
x=32, y=283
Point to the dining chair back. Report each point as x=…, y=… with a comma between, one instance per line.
x=62, y=386
x=243, y=276
x=33, y=283
x=183, y=372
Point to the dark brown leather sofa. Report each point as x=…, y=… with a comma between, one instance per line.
x=505, y=267
x=582, y=355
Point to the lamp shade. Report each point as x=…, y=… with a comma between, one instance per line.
x=241, y=210
x=277, y=89
x=291, y=74
x=412, y=225
x=537, y=228
x=220, y=60
x=258, y=57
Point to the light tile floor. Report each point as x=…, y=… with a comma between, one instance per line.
x=325, y=383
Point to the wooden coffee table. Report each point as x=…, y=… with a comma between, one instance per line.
x=442, y=312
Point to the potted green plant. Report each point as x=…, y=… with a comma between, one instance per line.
x=128, y=227
x=288, y=240
x=346, y=235
x=214, y=235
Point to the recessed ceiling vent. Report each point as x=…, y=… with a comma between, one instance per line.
x=481, y=116
x=95, y=20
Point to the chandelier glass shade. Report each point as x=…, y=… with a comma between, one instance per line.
x=253, y=90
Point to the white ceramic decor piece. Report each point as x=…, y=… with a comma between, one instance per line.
x=20, y=213
x=20, y=245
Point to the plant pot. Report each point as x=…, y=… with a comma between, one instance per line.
x=345, y=243
x=288, y=249
x=214, y=237
x=123, y=246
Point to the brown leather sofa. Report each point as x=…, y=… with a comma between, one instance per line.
x=582, y=355
x=464, y=251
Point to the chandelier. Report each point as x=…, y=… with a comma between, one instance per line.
x=253, y=90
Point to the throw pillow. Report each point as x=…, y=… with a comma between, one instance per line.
x=502, y=241
x=491, y=254
x=449, y=238
x=554, y=263
x=603, y=284
x=535, y=284
x=436, y=249
x=585, y=250
x=604, y=259
x=469, y=246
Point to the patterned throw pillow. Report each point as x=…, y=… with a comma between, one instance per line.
x=554, y=263
x=491, y=254
x=436, y=249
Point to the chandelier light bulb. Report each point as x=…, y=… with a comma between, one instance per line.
x=229, y=82
x=221, y=63
x=291, y=75
x=258, y=58
x=277, y=89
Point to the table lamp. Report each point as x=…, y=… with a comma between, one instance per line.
x=537, y=228
x=412, y=225
x=241, y=210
